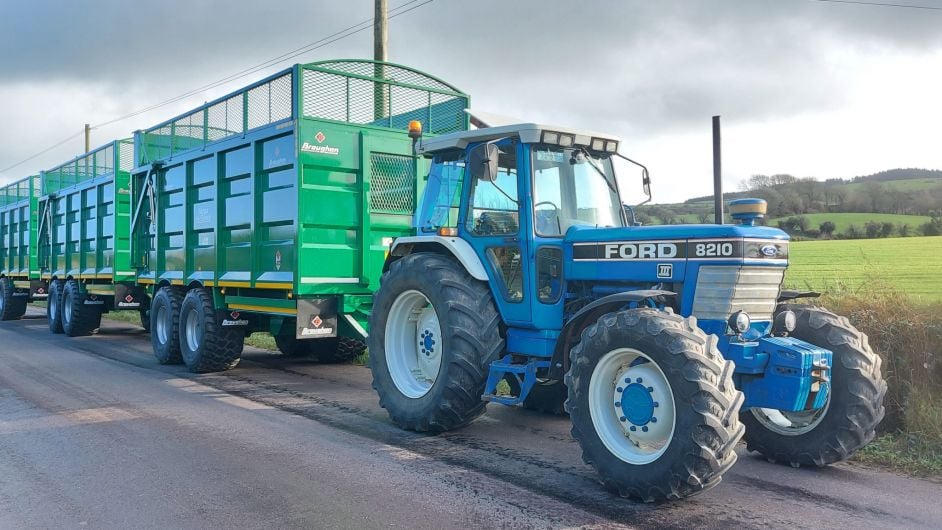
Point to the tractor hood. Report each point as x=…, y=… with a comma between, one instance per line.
x=663, y=253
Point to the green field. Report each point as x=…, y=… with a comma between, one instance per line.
x=912, y=265
x=844, y=220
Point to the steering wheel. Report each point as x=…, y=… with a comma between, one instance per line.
x=546, y=202
x=559, y=226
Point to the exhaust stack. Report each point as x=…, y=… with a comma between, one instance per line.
x=717, y=173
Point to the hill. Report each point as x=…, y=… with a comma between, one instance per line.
x=843, y=221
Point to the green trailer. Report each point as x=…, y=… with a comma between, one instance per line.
x=273, y=208
x=20, y=280
x=84, y=243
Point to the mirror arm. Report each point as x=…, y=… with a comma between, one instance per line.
x=645, y=178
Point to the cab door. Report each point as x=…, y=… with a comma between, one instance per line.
x=492, y=225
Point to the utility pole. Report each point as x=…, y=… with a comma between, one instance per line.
x=380, y=36
x=88, y=138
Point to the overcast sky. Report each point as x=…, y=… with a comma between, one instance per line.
x=811, y=88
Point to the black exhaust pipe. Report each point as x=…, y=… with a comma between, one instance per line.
x=717, y=173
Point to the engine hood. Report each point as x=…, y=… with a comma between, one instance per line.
x=665, y=253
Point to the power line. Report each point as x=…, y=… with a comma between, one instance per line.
x=881, y=4
x=334, y=37
x=320, y=43
x=44, y=151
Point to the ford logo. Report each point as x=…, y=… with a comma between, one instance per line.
x=769, y=251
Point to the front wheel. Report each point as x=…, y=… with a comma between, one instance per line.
x=854, y=407
x=653, y=405
x=433, y=335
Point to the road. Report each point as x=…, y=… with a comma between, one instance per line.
x=95, y=434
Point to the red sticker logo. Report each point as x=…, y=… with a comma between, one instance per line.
x=129, y=299
x=320, y=137
x=234, y=315
x=316, y=321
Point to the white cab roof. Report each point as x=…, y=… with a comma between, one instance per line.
x=527, y=132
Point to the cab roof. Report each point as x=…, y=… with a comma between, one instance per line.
x=527, y=132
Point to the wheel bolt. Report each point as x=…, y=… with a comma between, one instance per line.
x=627, y=379
x=651, y=389
x=645, y=428
x=638, y=380
x=653, y=419
x=623, y=419
x=619, y=389
x=632, y=428
x=656, y=404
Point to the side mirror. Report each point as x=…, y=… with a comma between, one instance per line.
x=483, y=162
x=646, y=183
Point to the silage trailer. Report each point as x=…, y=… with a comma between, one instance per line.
x=20, y=280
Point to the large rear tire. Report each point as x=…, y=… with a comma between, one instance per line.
x=11, y=307
x=653, y=405
x=78, y=318
x=434, y=332
x=207, y=346
x=54, y=306
x=165, y=325
x=855, y=405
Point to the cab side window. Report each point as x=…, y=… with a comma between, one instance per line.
x=493, y=205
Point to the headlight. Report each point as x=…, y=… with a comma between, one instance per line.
x=784, y=322
x=739, y=322
x=765, y=249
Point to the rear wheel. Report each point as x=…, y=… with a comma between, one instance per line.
x=653, y=405
x=848, y=420
x=78, y=317
x=165, y=324
x=54, y=306
x=207, y=346
x=433, y=334
x=11, y=307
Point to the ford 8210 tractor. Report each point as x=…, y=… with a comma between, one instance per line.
x=665, y=343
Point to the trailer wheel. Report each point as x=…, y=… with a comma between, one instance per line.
x=547, y=395
x=165, y=325
x=207, y=346
x=434, y=331
x=336, y=350
x=855, y=405
x=653, y=405
x=290, y=346
x=78, y=318
x=11, y=307
x=54, y=306
x=145, y=319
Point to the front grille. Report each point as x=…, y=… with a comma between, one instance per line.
x=723, y=290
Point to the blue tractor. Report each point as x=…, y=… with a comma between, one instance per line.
x=665, y=344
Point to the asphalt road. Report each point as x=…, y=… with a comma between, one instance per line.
x=95, y=434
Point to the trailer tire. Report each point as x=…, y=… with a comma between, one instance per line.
x=672, y=371
x=165, y=324
x=548, y=397
x=54, y=306
x=145, y=319
x=78, y=318
x=207, y=346
x=290, y=346
x=336, y=350
x=11, y=307
x=855, y=405
x=459, y=325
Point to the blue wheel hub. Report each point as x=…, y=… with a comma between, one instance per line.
x=637, y=404
x=427, y=342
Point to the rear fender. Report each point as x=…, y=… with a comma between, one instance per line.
x=453, y=246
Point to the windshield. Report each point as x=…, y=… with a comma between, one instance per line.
x=568, y=190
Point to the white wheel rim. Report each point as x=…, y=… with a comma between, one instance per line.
x=193, y=331
x=67, y=307
x=160, y=326
x=634, y=419
x=789, y=423
x=413, y=344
